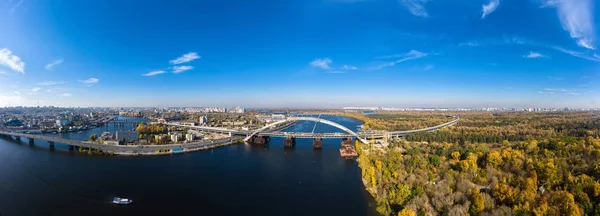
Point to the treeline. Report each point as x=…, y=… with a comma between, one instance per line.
x=143, y=129
x=399, y=121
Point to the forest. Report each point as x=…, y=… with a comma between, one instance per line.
x=490, y=164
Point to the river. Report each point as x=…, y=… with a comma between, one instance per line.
x=232, y=180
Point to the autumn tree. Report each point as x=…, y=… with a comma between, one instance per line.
x=93, y=137
x=563, y=203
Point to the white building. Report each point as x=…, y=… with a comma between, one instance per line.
x=190, y=137
x=62, y=122
x=203, y=120
x=176, y=137
x=240, y=110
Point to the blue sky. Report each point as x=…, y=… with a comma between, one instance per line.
x=300, y=53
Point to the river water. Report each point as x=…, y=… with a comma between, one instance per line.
x=232, y=180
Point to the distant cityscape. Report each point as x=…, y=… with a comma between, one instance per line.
x=488, y=109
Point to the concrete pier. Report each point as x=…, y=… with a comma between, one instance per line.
x=18, y=138
x=31, y=140
x=71, y=147
x=318, y=143
x=51, y=144
x=289, y=142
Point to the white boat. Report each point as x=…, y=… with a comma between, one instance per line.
x=122, y=201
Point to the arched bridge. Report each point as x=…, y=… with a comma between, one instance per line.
x=308, y=119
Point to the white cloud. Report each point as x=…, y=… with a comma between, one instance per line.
x=489, y=8
x=186, y=58
x=416, y=7
x=346, y=67
x=411, y=55
x=595, y=57
x=521, y=41
x=153, y=73
x=576, y=17
x=321, y=63
x=535, y=55
x=66, y=95
x=90, y=81
x=36, y=89
x=12, y=61
x=555, y=78
x=428, y=67
x=3, y=72
x=573, y=93
x=17, y=93
x=53, y=63
x=50, y=83
x=181, y=69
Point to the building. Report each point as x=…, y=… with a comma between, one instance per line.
x=127, y=136
x=203, y=120
x=160, y=137
x=190, y=137
x=62, y=122
x=176, y=137
x=277, y=116
x=240, y=110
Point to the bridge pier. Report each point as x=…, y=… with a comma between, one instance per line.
x=348, y=149
x=289, y=142
x=31, y=140
x=18, y=138
x=317, y=143
x=51, y=144
x=71, y=147
x=260, y=140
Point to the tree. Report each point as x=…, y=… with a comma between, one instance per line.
x=563, y=203
x=407, y=212
x=504, y=193
x=455, y=155
x=477, y=202
x=494, y=158
x=93, y=137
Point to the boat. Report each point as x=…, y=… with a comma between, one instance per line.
x=122, y=201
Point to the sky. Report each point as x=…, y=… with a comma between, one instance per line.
x=300, y=53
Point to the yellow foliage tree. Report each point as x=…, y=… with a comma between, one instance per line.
x=407, y=212
x=494, y=158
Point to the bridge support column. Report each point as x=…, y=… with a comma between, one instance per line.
x=18, y=138
x=51, y=144
x=318, y=143
x=289, y=142
x=71, y=147
x=31, y=140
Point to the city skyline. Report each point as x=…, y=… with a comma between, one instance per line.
x=300, y=54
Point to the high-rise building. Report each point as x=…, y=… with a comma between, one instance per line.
x=240, y=110
x=203, y=120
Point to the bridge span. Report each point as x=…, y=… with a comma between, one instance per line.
x=125, y=149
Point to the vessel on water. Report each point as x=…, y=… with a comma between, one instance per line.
x=122, y=201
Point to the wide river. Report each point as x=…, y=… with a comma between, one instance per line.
x=234, y=180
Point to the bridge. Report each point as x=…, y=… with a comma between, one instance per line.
x=123, y=149
x=318, y=120
x=349, y=133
